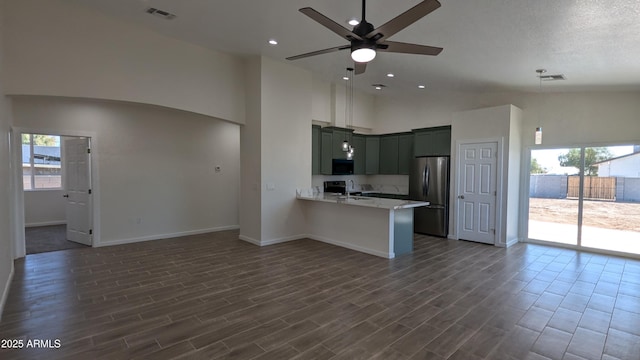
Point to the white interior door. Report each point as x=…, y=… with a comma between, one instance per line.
x=477, y=192
x=77, y=165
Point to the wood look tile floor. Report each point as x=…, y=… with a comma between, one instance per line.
x=215, y=297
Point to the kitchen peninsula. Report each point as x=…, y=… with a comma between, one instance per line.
x=377, y=226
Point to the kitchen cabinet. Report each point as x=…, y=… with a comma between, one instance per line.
x=331, y=139
x=372, y=149
x=326, y=151
x=359, y=156
x=339, y=137
x=432, y=141
x=376, y=154
x=315, y=150
x=405, y=153
x=388, y=154
x=396, y=153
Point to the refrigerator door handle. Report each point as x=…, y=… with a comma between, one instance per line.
x=424, y=183
x=426, y=180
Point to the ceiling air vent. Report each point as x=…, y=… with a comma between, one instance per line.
x=552, y=77
x=160, y=13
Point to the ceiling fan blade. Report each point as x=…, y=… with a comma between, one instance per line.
x=330, y=24
x=403, y=20
x=360, y=68
x=319, y=52
x=400, y=47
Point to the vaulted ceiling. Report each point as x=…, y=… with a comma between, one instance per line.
x=489, y=45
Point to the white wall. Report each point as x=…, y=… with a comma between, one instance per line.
x=6, y=238
x=329, y=101
x=44, y=207
x=55, y=48
x=513, y=179
x=276, y=151
x=156, y=165
x=285, y=148
x=321, y=100
x=567, y=118
x=251, y=157
x=491, y=124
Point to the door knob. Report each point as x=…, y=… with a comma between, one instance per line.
x=65, y=195
x=461, y=197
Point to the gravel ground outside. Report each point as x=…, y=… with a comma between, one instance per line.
x=603, y=214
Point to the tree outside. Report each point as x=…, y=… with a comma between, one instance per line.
x=592, y=155
x=41, y=140
x=536, y=168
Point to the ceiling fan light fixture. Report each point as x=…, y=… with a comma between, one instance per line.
x=363, y=54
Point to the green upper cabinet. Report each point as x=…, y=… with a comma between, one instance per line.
x=388, y=154
x=432, y=142
x=315, y=150
x=360, y=153
x=405, y=153
x=372, y=149
x=326, y=151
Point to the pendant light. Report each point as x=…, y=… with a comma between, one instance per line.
x=348, y=113
x=538, y=134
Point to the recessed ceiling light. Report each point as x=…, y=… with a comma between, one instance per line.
x=273, y=42
x=390, y=75
x=421, y=86
x=345, y=78
x=353, y=22
x=379, y=86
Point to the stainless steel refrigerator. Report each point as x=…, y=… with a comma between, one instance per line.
x=429, y=181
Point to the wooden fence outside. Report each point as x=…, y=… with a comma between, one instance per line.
x=597, y=188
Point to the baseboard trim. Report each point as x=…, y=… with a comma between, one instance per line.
x=45, y=223
x=249, y=240
x=272, y=241
x=5, y=292
x=166, y=236
x=253, y=241
x=385, y=255
x=512, y=242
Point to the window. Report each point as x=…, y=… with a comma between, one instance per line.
x=41, y=165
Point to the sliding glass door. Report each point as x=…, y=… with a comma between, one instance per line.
x=611, y=199
x=553, y=215
x=588, y=196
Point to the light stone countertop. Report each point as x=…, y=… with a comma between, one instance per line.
x=381, y=203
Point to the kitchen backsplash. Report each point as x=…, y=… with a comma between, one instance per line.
x=388, y=184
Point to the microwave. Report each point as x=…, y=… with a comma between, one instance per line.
x=341, y=167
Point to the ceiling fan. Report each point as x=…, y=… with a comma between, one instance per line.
x=365, y=40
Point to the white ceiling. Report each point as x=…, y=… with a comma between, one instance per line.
x=489, y=45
